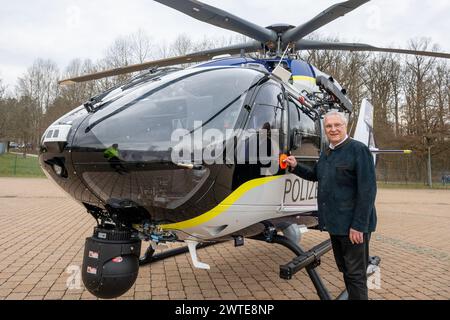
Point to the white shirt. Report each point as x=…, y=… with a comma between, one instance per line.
x=333, y=147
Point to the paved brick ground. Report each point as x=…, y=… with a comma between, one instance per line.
x=42, y=233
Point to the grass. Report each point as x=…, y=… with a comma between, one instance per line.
x=413, y=185
x=12, y=165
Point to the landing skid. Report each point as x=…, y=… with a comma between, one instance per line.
x=307, y=259
x=150, y=256
x=304, y=259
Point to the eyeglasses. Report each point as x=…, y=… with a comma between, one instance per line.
x=331, y=126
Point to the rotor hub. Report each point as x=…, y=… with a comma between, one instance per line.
x=280, y=27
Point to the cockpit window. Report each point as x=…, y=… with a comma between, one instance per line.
x=208, y=99
x=307, y=129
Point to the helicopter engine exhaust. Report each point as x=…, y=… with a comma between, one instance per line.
x=110, y=262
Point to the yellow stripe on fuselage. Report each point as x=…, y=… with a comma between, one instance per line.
x=304, y=78
x=223, y=206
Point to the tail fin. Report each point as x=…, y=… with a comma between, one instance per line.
x=364, y=131
x=364, y=127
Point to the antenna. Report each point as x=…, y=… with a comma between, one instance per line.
x=282, y=57
x=281, y=72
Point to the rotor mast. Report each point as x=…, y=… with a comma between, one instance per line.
x=280, y=29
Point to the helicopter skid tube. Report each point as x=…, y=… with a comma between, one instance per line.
x=305, y=259
x=150, y=257
x=309, y=260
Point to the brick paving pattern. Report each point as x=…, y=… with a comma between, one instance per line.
x=42, y=233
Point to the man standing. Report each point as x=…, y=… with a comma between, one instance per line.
x=346, y=200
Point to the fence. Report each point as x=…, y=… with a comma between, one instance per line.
x=19, y=165
x=407, y=170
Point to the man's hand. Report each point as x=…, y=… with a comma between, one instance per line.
x=291, y=161
x=356, y=237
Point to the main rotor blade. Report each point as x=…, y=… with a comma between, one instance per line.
x=323, y=45
x=190, y=58
x=220, y=18
x=325, y=17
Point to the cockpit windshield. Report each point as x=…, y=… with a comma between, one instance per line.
x=209, y=98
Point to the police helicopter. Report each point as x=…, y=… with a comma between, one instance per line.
x=117, y=157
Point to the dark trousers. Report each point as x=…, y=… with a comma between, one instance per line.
x=352, y=260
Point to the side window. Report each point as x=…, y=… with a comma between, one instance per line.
x=267, y=109
x=266, y=113
x=304, y=133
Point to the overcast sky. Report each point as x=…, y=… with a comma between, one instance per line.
x=62, y=30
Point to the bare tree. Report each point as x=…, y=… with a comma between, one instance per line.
x=327, y=61
x=162, y=50
x=124, y=51
x=36, y=91
x=78, y=93
x=181, y=45
x=40, y=83
x=73, y=95
x=7, y=114
x=441, y=80
x=140, y=47
x=4, y=119
x=418, y=83
x=396, y=78
x=380, y=74
x=2, y=89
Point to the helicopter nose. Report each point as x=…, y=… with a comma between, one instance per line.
x=52, y=159
x=55, y=138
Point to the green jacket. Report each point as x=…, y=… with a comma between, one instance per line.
x=346, y=188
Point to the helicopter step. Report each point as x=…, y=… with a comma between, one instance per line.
x=271, y=236
x=310, y=258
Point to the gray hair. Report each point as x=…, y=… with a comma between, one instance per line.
x=338, y=114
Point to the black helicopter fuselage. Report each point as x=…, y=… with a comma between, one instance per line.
x=115, y=156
